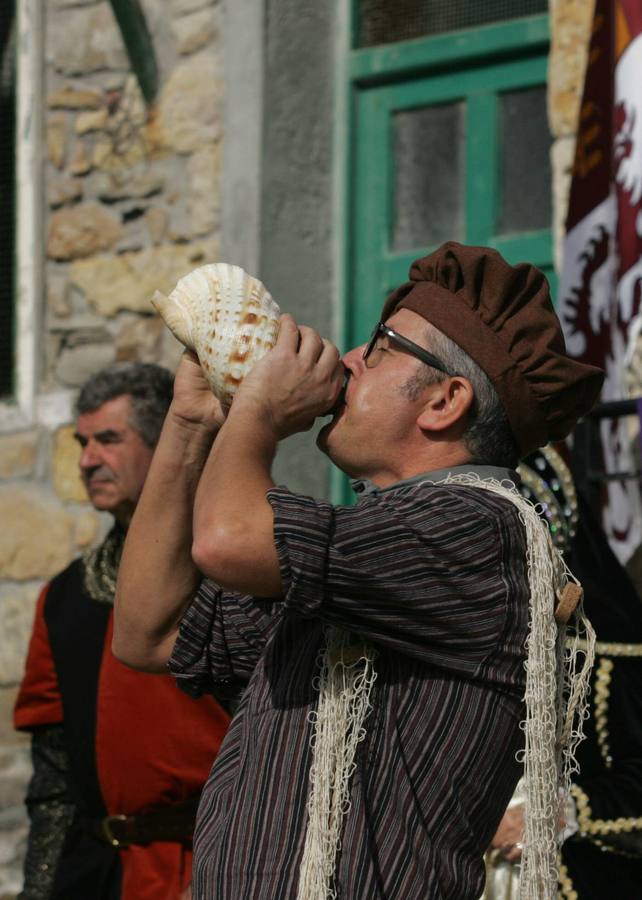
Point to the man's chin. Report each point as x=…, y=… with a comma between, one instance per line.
x=101, y=499
x=327, y=443
x=324, y=437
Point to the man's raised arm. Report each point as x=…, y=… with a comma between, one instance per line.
x=297, y=381
x=157, y=578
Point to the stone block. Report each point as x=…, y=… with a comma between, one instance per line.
x=157, y=220
x=61, y=189
x=204, y=170
x=18, y=454
x=75, y=364
x=195, y=31
x=128, y=281
x=180, y=230
x=81, y=231
x=38, y=544
x=112, y=157
x=81, y=328
x=188, y=111
x=64, y=466
x=55, y=408
x=570, y=33
x=74, y=98
x=8, y=736
x=57, y=139
x=58, y=296
x=17, y=605
x=122, y=145
x=15, y=771
x=92, y=120
x=129, y=186
x=182, y=7
x=80, y=163
x=139, y=339
x=13, y=840
x=135, y=238
x=87, y=41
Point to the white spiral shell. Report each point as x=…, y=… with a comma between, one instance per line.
x=227, y=317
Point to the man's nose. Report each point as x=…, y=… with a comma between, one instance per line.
x=90, y=456
x=353, y=359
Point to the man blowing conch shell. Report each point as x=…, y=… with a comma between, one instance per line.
x=383, y=645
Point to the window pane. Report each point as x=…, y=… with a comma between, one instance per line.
x=525, y=167
x=428, y=160
x=384, y=21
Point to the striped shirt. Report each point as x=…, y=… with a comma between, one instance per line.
x=435, y=578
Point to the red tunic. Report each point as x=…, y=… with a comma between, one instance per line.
x=154, y=746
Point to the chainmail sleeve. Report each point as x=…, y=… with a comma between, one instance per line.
x=50, y=811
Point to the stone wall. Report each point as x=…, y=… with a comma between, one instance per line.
x=570, y=32
x=131, y=204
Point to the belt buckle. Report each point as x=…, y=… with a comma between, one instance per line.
x=107, y=824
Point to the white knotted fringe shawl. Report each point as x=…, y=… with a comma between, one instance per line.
x=556, y=697
x=344, y=683
x=556, y=708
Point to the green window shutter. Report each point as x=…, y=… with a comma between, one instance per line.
x=7, y=198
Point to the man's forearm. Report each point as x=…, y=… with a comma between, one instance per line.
x=233, y=520
x=157, y=578
x=284, y=393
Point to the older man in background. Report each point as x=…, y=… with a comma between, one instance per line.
x=119, y=756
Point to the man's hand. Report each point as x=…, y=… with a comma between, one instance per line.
x=194, y=403
x=298, y=380
x=510, y=834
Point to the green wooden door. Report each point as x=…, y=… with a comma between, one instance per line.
x=447, y=138
x=454, y=147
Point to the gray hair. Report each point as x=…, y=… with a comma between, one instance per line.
x=149, y=386
x=488, y=436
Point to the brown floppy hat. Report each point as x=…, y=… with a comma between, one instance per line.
x=502, y=316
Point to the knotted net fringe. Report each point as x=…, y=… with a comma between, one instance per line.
x=344, y=684
x=557, y=687
x=556, y=700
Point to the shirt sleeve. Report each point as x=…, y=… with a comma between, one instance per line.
x=51, y=812
x=39, y=700
x=433, y=572
x=220, y=640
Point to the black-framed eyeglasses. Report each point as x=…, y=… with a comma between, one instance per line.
x=406, y=344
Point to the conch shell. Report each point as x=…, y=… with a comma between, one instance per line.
x=227, y=317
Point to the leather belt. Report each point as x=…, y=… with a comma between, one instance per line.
x=174, y=822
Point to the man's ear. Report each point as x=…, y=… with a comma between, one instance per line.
x=448, y=404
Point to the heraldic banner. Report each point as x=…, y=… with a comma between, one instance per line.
x=600, y=299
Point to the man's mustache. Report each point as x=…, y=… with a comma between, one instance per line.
x=102, y=473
